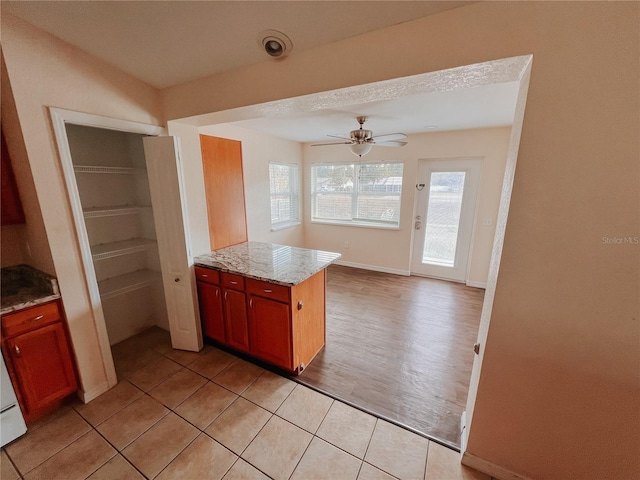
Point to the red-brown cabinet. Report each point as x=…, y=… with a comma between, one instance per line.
x=282, y=325
x=270, y=327
x=10, y=205
x=235, y=319
x=36, y=348
x=210, y=298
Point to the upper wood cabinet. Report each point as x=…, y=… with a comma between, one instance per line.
x=10, y=204
x=224, y=189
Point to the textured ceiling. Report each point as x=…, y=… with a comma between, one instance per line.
x=166, y=43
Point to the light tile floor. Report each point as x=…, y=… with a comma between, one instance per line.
x=211, y=415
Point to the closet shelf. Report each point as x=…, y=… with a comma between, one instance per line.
x=101, y=169
x=124, y=247
x=113, y=211
x=126, y=283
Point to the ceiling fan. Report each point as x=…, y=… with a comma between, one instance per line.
x=361, y=141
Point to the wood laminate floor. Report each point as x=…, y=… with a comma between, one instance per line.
x=399, y=347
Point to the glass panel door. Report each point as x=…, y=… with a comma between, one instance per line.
x=443, y=218
x=445, y=211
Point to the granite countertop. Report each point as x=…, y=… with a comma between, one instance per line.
x=269, y=262
x=23, y=286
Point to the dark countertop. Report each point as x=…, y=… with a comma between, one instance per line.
x=269, y=262
x=23, y=286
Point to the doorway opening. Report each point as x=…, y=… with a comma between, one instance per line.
x=356, y=99
x=124, y=187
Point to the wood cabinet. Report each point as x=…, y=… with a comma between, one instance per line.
x=10, y=205
x=270, y=326
x=224, y=190
x=281, y=325
x=210, y=299
x=39, y=359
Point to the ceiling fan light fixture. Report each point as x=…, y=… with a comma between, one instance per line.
x=276, y=44
x=360, y=149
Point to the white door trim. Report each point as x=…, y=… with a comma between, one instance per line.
x=59, y=118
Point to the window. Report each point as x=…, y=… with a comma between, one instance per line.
x=366, y=194
x=283, y=185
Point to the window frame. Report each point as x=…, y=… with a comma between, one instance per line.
x=294, y=197
x=355, y=194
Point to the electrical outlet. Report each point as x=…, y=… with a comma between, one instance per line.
x=346, y=245
x=487, y=222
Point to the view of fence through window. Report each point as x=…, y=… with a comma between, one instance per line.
x=283, y=185
x=367, y=193
x=443, y=217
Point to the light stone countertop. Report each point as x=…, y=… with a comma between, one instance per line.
x=269, y=262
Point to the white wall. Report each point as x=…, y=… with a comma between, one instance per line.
x=45, y=72
x=389, y=250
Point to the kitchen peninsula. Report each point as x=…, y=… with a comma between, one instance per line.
x=265, y=300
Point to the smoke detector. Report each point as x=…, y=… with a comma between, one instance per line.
x=276, y=44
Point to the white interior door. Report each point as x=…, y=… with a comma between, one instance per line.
x=445, y=210
x=165, y=181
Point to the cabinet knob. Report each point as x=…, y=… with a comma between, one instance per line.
x=476, y=348
x=17, y=349
x=176, y=280
x=300, y=305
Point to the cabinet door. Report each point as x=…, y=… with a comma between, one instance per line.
x=10, y=205
x=224, y=190
x=210, y=298
x=235, y=319
x=43, y=365
x=270, y=327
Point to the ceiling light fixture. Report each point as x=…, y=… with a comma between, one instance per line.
x=360, y=149
x=276, y=44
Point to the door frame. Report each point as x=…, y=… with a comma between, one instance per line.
x=59, y=118
x=475, y=193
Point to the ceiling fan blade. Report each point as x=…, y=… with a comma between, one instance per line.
x=333, y=143
x=390, y=136
x=391, y=143
x=340, y=137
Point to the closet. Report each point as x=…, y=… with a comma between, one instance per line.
x=113, y=186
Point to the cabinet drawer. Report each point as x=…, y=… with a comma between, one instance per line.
x=207, y=275
x=268, y=290
x=230, y=280
x=30, y=319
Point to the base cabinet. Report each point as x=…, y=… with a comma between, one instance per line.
x=281, y=325
x=210, y=299
x=37, y=351
x=235, y=319
x=270, y=327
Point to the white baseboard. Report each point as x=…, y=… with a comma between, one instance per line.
x=374, y=268
x=495, y=471
x=477, y=284
x=87, y=396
